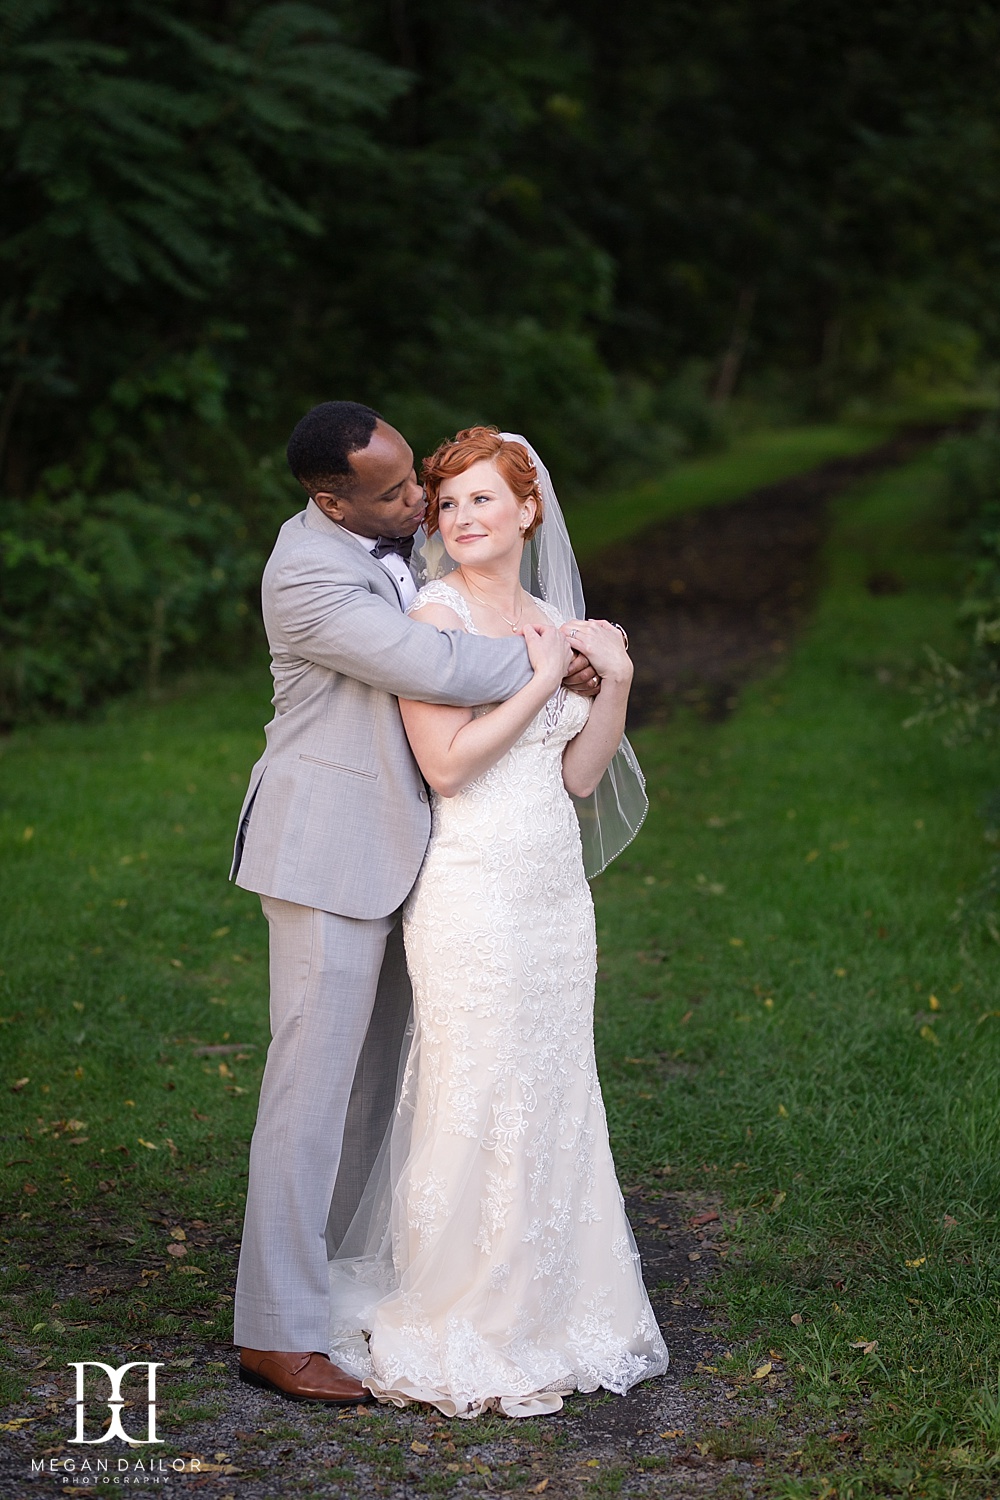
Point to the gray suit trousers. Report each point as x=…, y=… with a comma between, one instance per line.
x=340, y=998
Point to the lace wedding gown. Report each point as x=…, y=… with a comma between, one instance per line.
x=492, y=1263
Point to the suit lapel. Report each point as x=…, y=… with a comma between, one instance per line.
x=316, y=520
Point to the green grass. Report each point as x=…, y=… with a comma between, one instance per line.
x=807, y=853
x=125, y=949
x=770, y=947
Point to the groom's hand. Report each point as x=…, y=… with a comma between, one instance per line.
x=581, y=677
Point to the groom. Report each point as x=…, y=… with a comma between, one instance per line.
x=332, y=834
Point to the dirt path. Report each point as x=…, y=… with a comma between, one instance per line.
x=710, y=599
x=248, y=1444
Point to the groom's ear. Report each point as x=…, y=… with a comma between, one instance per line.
x=330, y=505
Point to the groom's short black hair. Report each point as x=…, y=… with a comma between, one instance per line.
x=320, y=447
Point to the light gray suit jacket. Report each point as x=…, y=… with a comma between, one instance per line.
x=336, y=815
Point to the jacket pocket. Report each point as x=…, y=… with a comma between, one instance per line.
x=334, y=765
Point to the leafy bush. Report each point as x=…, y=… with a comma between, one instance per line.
x=965, y=697
x=150, y=552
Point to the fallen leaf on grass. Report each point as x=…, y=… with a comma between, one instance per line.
x=17, y=1422
x=933, y=1003
x=782, y=1111
x=705, y=1218
x=763, y=1371
x=148, y=1144
x=30, y=1189
x=797, y=1319
x=912, y=1265
x=779, y=1199
x=536, y=1489
x=177, y=1250
x=420, y=1447
x=19, y=1084
x=674, y=1432
x=177, y=1233
x=813, y=854
x=192, y=1271
x=929, y=1035
x=867, y=1346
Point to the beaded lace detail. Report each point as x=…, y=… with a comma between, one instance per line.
x=516, y=1276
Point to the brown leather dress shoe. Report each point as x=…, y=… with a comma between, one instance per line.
x=301, y=1377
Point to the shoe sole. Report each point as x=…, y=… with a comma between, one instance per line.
x=250, y=1377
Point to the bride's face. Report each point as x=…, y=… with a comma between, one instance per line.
x=480, y=518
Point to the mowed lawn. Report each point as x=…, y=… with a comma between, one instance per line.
x=787, y=1019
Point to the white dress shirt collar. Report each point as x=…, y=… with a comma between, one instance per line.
x=395, y=565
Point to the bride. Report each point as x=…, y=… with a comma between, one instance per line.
x=491, y=1264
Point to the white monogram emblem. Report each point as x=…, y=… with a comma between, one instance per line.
x=115, y=1401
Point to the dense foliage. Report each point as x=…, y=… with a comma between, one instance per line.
x=964, y=697
x=593, y=223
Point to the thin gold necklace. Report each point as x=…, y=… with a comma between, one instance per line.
x=512, y=623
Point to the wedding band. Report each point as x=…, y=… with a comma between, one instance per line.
x=623, y=631
x=594, y=681
x=572, y=633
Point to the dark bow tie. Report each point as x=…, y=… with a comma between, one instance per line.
x=386, y=544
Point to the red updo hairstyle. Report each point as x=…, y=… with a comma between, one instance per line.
x=459, y=453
